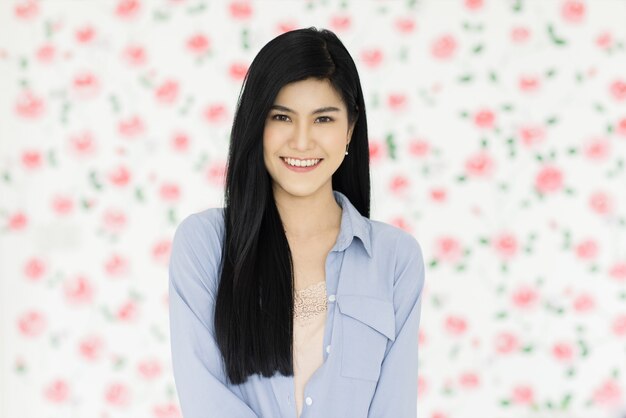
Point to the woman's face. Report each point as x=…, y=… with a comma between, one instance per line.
x=308, y=121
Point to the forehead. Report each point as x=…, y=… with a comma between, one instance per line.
x=308, y=93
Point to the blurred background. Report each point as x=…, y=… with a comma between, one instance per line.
x=497, y=138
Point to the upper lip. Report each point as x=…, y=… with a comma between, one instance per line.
x=301, y=159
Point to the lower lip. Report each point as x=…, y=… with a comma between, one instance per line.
x=301, y=169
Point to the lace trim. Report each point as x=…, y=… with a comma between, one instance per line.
x=310, y=301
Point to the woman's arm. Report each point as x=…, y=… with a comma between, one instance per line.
x=196, y=360
x=396, y=390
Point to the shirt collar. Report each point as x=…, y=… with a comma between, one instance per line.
x=353, y=224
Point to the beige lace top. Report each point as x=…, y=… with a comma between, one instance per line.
x=308, y=334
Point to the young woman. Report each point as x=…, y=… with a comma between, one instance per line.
x=289, y=301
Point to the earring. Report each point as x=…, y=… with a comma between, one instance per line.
x=348, y=144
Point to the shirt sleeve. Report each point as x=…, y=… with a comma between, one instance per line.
x=197, y=364
x=396, y=391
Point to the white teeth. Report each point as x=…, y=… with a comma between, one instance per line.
x=301, y=163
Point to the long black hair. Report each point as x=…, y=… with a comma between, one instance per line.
x=254, y=304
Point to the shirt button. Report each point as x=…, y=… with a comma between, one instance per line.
x=308, y=400
x=328, y=348
x=331, y=298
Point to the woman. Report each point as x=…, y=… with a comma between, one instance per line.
x=290, y=301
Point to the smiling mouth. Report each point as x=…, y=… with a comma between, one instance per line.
x=294, y=161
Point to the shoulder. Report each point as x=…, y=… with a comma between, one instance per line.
x=401, y=242
x=201, y=233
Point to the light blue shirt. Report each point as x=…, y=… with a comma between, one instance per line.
x=374, y=288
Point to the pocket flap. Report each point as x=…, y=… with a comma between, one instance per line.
x=376, y=313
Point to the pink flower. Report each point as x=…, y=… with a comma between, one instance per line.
x=455, y=325
x=62, y=205
x=26, y=9
x=469, y=380
x=528, y=83
x=215, y=113
x=34, y=269
x=405, y=24
x=377, y=151
x=604, y=40
x=17, y=221
x=86, y=85
x=480, y=164
x=134, y=55
x=85, y=34
x=519, y=34
x=117, y=394
x=131, y=127
x=31, y=323
x=127, y=9
x=216, y=173
x=29, y=105
x=116, y=265
x=240, y=10
x=198, y=43
x=597, y=149
x=149, y=369
x=46, y=53
x=161, y=251
x=422, y=386
x=619, y=325
x=573, y=11
x=169, y=192
x=114, y=220
x=608, y=393
x=419, y=147
x=83, y=143
x=549, y=179
x=168, y=410
x=340, y=22
x=522, y=394
x=180, y=141
x=583, y=303
x=506, y=342
x=587, y=249
x=443, y=47
x=127, y=312
x=399, y=184
x=31, y=159
x=532, y=135
x=448, y=249
x=438, y=194
x=57, y=391
x=484, y=119
x=372, y=58
x=167, y=92
x=78, y=290
x=601, y=203
x=524, y=297
x=618, y=271
x=620, y=129
x=119, y=176
x=562, y=351
x=505, y=245
x=237, y=71
x=618, y=90
x=91, y=347
x=397, y=101
x=473, y=4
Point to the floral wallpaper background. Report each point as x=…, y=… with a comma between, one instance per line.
x=497, y=138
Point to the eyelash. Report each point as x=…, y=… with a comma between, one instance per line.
x=280, y=120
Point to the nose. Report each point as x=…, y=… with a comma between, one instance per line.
x=302, y=140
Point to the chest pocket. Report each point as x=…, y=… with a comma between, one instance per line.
x=368, y=324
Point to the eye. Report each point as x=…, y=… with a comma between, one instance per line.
x=279, y=116
x=326, y=117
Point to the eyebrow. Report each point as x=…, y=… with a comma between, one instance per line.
x=320, y=110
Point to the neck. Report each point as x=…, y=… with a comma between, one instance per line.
x=311, y=216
